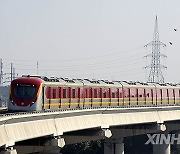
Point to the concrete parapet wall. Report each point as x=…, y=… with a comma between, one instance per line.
x=23, y=127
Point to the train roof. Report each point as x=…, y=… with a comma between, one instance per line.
x=90, y=82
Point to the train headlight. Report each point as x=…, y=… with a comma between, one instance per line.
x=32, y=103
x=12, y=102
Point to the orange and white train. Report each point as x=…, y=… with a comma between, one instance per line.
x=36, y=93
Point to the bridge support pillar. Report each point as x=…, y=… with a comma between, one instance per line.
x=114, y=146
x=161, y=149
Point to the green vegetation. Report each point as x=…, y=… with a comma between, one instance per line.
x=133, y=145
x=90, y=147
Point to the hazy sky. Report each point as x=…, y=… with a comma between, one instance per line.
x=101, y=39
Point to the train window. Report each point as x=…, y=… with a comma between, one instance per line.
x=158, y=93
x=152, y=92
x=73, y=93
x=64, y=93
x=167, y=93
x=129, y=95
x=148, y=93
x=54, y=93
x=141, y=92
x=86, y=93
x=69, y=93
x=161, y=92
x=79, y=93
x=164, y=93
x=176, y=93
x=59, y=92
x=95, y=93
x=117, y=93
x=48, y=92
x=126, y=92
x=114, y=92
x=113, y=95
x=144, y=94
x=107, y=92
x=133, y=92
x=173, y=93
x=104, y=93
x=90, y=92
x=120, y=95
x=24, y=90
x=100, y=92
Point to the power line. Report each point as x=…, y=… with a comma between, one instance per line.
x=85, y=58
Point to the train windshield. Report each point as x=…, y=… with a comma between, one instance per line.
x=24, y=90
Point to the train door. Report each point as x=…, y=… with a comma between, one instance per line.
x=176, y=94
x=171, y=93
x=120, y=97
x=141, y=97
x=149, y=97
x=133, y=96
x=43, y=97
x=114, y=96
x=64, y=99
x=165, y=99
x=105, y=97
x=46, y=97
x=159, y=96
x=60, y=96
x=51, y=97
x=126, y=96
x=55, y=100
x=80, y=97
x=96, y=97
x=101, y=96
x=88, y=97
x=74, y=102
x=153, y=93
x=178, y=98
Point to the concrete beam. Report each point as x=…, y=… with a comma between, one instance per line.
x=10, y=150
x=38, y=149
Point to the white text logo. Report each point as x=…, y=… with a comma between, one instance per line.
x=163, y=139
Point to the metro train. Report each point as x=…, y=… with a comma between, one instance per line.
x=39, y=93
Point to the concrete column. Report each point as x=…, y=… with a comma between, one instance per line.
x=161, y=149
x=115, y=146
x=119, y=148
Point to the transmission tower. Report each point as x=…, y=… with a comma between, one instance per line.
x=1, y=72
x=156, y=67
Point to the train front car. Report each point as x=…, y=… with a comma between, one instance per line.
x=25, y=94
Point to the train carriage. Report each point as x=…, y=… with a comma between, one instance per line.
x=36, y=93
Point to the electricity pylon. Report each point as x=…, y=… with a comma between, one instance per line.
x=156, y=67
